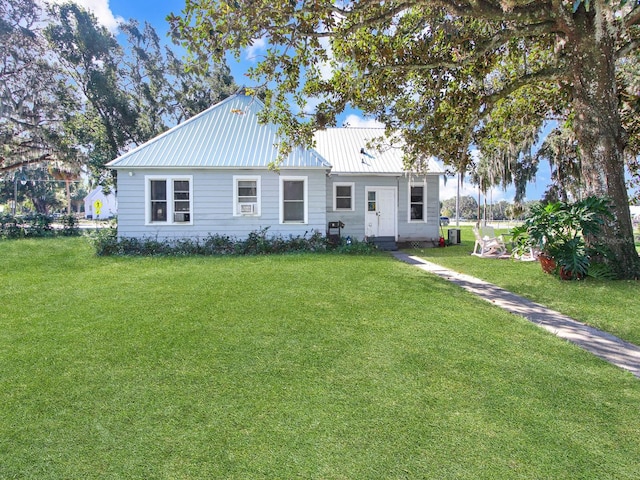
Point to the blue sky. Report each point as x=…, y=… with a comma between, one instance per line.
x=110, y=12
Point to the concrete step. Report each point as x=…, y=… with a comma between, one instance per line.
x=384, y=243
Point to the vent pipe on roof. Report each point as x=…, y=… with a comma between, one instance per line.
x=364, y=153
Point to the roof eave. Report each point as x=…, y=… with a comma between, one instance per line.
x=385, y=174
x=190, y=167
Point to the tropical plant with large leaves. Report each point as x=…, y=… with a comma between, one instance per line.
x=560, y=231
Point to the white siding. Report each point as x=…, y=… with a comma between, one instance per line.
x=407, y=231
x=213, y=205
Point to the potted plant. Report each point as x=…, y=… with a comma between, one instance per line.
x=563, y=235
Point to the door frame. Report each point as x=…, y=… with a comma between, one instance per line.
x=394, y=208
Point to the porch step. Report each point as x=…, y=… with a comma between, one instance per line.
x=384, y=243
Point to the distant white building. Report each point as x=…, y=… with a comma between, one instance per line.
x=98, y=206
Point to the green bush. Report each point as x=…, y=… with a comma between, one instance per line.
x=70, y=226
x=10, y=227
x=355, y=247
x=568, y=233
x=38, y=225
x=107, y=243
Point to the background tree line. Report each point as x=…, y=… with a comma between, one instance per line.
x=470, y=210
x=75, y=96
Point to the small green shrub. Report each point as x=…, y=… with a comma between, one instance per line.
x=70, y=226
x=107, y=243
x=354, y=247
x=38, y=225
x=10, y=227
x=221, y=244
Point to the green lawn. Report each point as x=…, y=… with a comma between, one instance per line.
x=302, y=366
x=613, y=306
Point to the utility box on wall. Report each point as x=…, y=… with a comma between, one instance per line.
x=453, y=236
x=333, y=232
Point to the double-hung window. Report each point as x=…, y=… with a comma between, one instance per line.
x=343, y=198
x=246, y=195
x=158, y=193
x=169, y=200
x=417, y=203
x=181, y=201
x=293, y=200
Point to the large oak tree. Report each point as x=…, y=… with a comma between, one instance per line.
x=445, y=74
x=129, y=91
x=31, y=93
x=71, y=91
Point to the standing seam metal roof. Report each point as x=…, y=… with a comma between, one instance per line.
x=225, y=135
x=343, y=146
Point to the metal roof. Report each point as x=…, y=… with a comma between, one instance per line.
x=347, y=151
x=226, y=135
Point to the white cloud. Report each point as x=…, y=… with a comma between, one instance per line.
x=326, y=67
x=357, y=121
x=256, y=47
x=467, y=189
x=449, y=189
x=101, y=9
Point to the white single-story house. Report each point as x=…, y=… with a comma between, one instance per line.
x=210, y=175
x=100, y=206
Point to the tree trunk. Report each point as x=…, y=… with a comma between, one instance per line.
x=600, y=134
x=479, y=215
x=68, y=190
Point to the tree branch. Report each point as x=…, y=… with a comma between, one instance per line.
x=633, y=17
x=24, y=163
x=532, y=12
x=482, y=48
x=545, y=75
x=627, y=48
x=384, y=15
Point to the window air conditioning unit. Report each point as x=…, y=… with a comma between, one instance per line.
x=248, y=208
x=182, y=217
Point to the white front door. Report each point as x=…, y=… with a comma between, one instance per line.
x=380, y=216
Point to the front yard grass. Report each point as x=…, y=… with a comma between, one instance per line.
x=613, y=306
x=299, y=366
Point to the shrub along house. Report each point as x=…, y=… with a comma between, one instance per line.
x=210, y=175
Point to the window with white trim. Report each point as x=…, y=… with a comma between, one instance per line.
x=417, y=203
x=343, y=198
x=293, y=200
x=159, y=201
x=169, y=200
x=246, y=195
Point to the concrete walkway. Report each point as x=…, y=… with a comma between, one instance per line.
x=604, y=345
